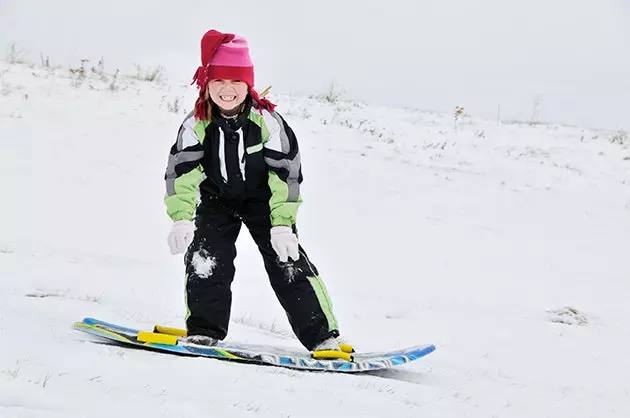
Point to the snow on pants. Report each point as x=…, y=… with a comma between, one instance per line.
x=210, y=271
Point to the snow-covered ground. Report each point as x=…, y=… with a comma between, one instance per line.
x=506, y=246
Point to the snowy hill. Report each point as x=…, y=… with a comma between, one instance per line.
x=505, y=245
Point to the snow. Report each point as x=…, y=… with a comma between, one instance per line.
x=203, y=263
x=465, y=233
x=568, y=315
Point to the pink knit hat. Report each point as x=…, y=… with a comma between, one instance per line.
x=225, y=56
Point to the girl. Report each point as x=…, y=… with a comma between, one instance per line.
x=236, y=161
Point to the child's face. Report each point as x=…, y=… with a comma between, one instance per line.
x=227, y=94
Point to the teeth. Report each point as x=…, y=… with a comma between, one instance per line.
x=228, y=98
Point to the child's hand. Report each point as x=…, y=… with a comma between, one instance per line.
x=284, y=243
x=181, y=236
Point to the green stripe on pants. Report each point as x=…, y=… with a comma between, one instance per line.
x=324, y=301
x=186, y=297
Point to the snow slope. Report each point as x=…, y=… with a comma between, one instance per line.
x=462, y=233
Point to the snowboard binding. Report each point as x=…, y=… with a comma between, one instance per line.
x=170, y=336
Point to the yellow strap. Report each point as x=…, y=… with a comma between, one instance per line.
x=152, y=337
x=170, y=331
x=332, y=355
x=346, y=348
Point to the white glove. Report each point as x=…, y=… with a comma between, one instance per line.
x=285, y=243
x=181, y=236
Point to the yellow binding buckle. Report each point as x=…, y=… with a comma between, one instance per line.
x=346, y=348
x=332, y=355
x=152, y=337
x=170, y=331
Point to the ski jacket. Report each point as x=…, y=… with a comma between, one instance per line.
x=253, y=158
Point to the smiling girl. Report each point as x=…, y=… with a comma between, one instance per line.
x=236, y=161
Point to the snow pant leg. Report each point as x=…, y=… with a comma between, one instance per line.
x=298, y=287
x=210, y=271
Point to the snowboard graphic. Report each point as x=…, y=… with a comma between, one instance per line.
x=169, y=340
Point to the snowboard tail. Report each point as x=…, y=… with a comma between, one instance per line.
x=169, y=340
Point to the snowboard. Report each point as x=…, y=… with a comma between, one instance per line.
x=169, y=340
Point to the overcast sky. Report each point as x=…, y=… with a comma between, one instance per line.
x=573, y=56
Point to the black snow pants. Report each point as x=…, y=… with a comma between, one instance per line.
x=210, y=271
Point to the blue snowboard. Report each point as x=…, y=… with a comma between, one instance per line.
x=258, y=354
